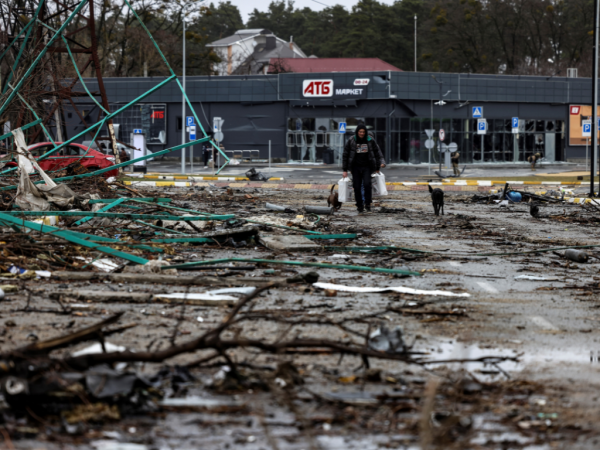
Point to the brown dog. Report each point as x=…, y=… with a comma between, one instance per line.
x=333, y=199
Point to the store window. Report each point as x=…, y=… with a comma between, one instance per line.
x=150, y=117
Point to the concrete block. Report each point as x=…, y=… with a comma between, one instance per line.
x=289, y=243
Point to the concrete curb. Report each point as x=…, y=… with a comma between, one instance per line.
x=193, y=178
x=325, y=187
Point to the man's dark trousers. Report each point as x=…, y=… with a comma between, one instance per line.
x=361, y=176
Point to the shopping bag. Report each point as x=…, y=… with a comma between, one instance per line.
x=378, y=183
x=345, y=190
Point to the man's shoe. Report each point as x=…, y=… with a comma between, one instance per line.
x=369, y=209
x=361, y=210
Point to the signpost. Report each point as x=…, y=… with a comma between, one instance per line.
x=477, y=112
x=482, y=130
x=515, y=125
x=218, y=136
x=342, y=127
x=587, y=134
x=137, y=131
x=429, y=144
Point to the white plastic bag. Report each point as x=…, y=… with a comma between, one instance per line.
x=378, y=182
x=345, y=190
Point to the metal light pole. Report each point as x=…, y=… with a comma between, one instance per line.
x=183, y=121
x=594, y=101
x=415, y=42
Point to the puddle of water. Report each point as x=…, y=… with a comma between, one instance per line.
x=453, y=350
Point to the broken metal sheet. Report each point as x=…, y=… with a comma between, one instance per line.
x=207, y=296
x=202, y=402
x=400, y=289
x=97, y=348
x=535, y=278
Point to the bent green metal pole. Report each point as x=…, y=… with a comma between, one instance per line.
x=98, y=125
x=189, y=104
x=41, y=55
x=70, y=238
x=29, y=27
x=295, y=263
x=89, y=214
x=116, y=166
x=103, y=209
x=24, y=127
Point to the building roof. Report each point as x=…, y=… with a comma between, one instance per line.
x=239, y=35
x=306, y=65
x=262, y=56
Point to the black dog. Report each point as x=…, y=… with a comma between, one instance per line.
x=437, y=198
x=333, y=199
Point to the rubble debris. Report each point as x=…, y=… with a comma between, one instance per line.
x=298, y=263
x=253, y=175
x=272, y=207
x=579, y=256
x=385, y=340
x=400, y=289
x=288, y=243
x=319, y=209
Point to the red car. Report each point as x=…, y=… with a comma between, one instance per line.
x=92, y=160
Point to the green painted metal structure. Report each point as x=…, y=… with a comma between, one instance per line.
x=116, y=215
x=61, y=34
x=68, y=236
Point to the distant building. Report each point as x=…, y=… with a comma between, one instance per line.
x=328, y=65
x=249, y=52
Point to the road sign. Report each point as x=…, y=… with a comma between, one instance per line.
x=515, y=122
x=218, y=124
x=137, y=131
x=342, y=127
x=453, y=147
x=442, y=134
x=429, y=144
x=189, y=121
x=477, y=112
x=481, y=126
x=192, y=132
x=429, y=133
x=587, y=128
x=219, y=136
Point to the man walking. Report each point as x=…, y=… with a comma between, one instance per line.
x=362, y=156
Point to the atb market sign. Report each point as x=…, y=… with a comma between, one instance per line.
x=327, y=89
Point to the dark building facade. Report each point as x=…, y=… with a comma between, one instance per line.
x=301, y=113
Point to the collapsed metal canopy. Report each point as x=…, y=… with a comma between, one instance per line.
x=38, y=30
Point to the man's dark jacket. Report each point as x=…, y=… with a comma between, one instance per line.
x=376, y=158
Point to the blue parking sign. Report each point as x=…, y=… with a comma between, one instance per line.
x=586, y=129
x=189, y=121
x=515, y=122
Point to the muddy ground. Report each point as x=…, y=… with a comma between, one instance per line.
x=540, y=392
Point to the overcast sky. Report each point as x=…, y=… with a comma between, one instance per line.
x=246, y=6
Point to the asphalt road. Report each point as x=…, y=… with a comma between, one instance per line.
x=399, y=172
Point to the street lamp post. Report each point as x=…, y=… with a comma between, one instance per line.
x=183, y=121
x=594, y=100
x=415, y=42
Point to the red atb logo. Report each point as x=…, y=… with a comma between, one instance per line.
x=317, y=88
x=157, y=115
